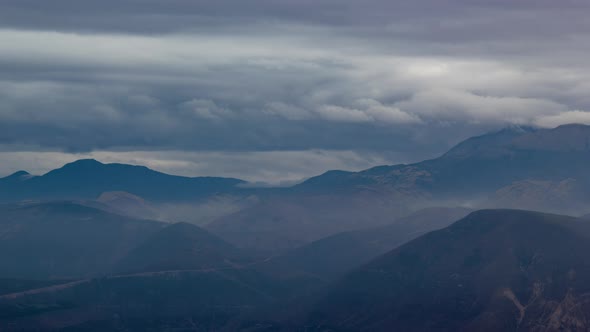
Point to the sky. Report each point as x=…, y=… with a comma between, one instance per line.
x=279, y=90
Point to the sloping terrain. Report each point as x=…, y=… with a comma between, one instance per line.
x=181, y=246
x=65, y=240
x=331, y=257
x=189, y=301
x=567, y=196
x=493, y=270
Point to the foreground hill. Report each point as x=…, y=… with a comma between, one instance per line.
x=64, y=240
x=181, y=300
x=88, y=179
x=495, y=270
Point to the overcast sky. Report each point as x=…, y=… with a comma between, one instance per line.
x=273, y=91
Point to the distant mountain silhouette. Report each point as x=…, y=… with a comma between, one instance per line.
x=15, y=178
x=88, y=179
x=495, y=270
x=478, y=165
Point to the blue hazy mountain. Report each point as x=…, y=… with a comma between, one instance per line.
x=182, y=246
x=88, y=179
x=477, y=165
x=517, y=167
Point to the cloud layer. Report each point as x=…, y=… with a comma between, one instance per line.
x=381, y=78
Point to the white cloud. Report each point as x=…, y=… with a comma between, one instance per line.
x=367, y=110
x=342, y=114
x=463, y=106
x=206, y=109
x=568, y=117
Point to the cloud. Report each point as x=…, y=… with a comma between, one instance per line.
x=464, y=106
x=369, y=110
x=206, y=109
x=377, y=77
x=569, y=117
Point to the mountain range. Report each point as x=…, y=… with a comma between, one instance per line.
x=434, y=245
x=88, y=179
x=511, y=168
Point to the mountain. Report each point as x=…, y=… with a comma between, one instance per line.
x=15, y=178
x=493, y=270
x=88, y=179
x=127, y=204
x=181, y=246
x=67, y=266
x=479, y=165
x=565, y=196
x=331, y=257
x=286, y=221
x=65, y=240
x=504, y=169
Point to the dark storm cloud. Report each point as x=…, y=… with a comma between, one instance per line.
x=404, y=79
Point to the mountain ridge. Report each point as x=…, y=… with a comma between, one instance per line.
x=492, y=270
x=89, y=178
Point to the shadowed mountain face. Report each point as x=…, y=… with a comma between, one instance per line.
x=493, y=270
x=63, y=240
x=181, y=301
x=331, y=257
x=179, y=276
x=88, y=179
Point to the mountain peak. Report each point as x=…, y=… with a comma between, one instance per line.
x=490, y=143
x=18, y=176
x=181, y=246
x=84, y=162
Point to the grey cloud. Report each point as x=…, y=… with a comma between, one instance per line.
x=375, y=77
x=551, y=121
